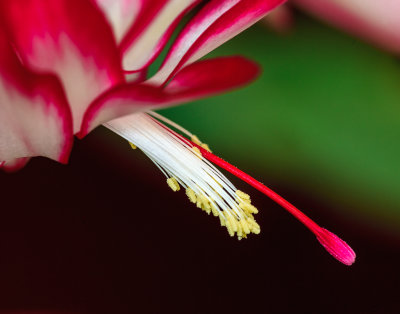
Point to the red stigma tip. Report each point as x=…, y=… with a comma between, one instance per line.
x=336, y=247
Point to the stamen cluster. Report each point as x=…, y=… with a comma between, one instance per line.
x=183, y=165
x=190, y=164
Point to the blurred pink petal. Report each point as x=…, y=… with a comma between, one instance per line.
x=376, y=21
x=280, y=19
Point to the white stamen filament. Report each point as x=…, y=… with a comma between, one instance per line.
x=171, y=123
x=178, y=160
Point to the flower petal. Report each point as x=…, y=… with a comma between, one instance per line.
x=49, y=37
x=200, y=79
x=35, y=118
x=212, y=76
x=14, y=164
x=280, y=19
x=120, y=101
x=153, y=27
x=217, y=22
x=376, y=21
x=121, y=14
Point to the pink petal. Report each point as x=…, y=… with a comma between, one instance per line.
x=121, y=14
x=280, y=19
x=375, y=21
x=200, y=79
x=35, y=118
x=217, y=22
x=70, y=38
x=14, y=165
x=120, y=101
x=212, y=76
x=154, y=24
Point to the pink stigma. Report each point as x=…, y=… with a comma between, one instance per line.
x=332, y=243
x=336, y=247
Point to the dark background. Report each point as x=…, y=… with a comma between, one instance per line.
x=105, y=234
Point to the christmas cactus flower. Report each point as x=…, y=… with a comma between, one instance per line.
x=68, y=66
x=375, y=21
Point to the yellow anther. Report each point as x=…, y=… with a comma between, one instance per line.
x=133, y=146
x=243, y=223
x=197, y=151
x=243, y=195
x=205, y=204
x=191, y=195
x=230, y=228
x=222, y=220
x=202, y=202
x=248, y=208
x=229, y=217
x=206, y=147
x=254, y=226
x=254, y=210
x=173, y=184
x=232, y=222
x=239, y=231
x=250, y=216
x=214, y=209
x=195, y=140
x=244, y=236
x=207, y=209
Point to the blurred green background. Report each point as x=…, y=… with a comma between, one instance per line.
x=323, y=119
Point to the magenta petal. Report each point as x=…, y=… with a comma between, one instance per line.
x=216, y=23
x=153, y=26
x=70, y=38
x=336, y=247
x=119, y=101
x=212, y=76
x=375, y=21
x=35, y=119
x=201, y=79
